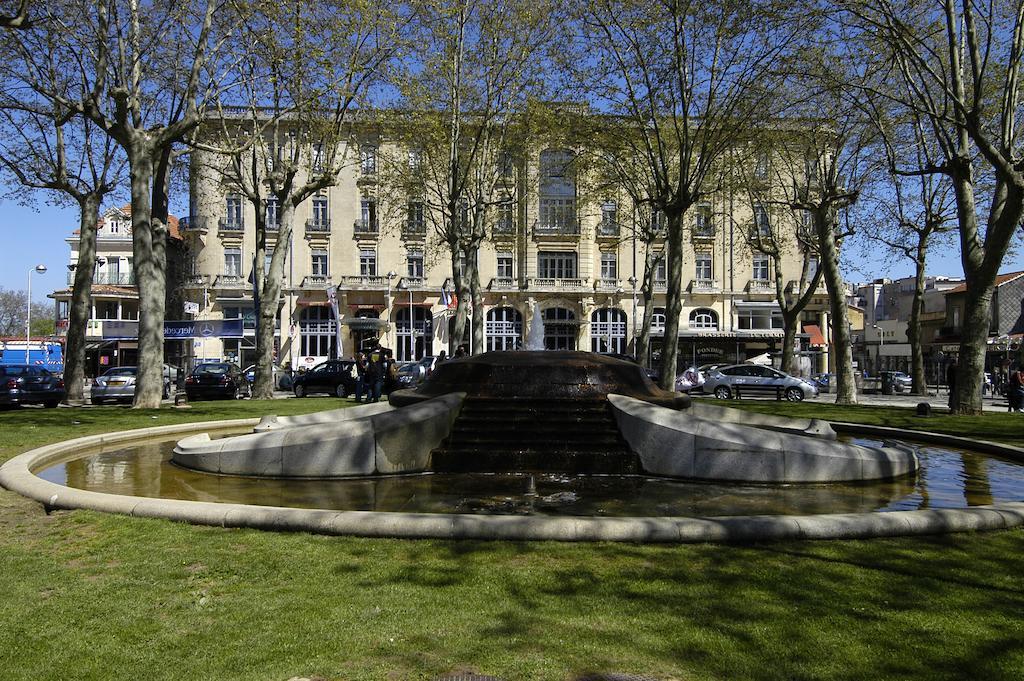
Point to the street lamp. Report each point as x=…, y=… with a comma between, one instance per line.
x=41, y=269
x=632, y=282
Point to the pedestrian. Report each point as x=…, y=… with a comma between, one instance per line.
x=390, y=371
x=442, y=357
x=951, y=383
x=375, y=373
x=460, y=352
x=1015, y=394
x=361, y=377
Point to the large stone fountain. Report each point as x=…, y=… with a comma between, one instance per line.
x=571, y=412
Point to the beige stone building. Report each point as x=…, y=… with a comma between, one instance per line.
x=552, y=246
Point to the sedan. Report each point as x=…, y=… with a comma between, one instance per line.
x=333, y=377
x=217, y=379
x=118, y=385
x=747, y=379
x=24, y=384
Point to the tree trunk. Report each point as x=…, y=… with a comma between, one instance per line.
x=673, y=300
x=149, y=279
x=473, y=273
x=81, y=300
x=642, y=342
x=269, y=285
x=461, y=291
x=920, y=382
x=846, y=389
x=973, y=343
x=790, y=322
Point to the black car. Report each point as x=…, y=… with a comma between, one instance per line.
x=334, y=377
x=25, y=384
x=217, y=379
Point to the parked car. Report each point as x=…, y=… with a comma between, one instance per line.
x=22, y=384
x=410, y=374
x=726, y=382
x=900, y=381
x=282, y=378
x=335, y=377
x=117, y=384
x=217, y=379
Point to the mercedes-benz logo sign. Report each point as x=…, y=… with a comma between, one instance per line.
x=206, y=330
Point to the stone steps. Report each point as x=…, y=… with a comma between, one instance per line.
x=535, y=435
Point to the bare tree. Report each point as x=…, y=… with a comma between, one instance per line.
x=779, y=234
x=463, y=114
x=141, y=72
x=685, y=81
x=959, y=65
x=20, y=17
x=46, y=149
x=304, y=69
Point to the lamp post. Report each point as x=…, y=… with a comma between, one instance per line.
x=41, y=269
x=878, y=348
x=632, y=282
x=391, y=275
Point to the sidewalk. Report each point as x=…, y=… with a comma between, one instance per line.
x=938, y=402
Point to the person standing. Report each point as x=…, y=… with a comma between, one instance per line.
x=361, y=377
x=375, y=373
x=1015, y=393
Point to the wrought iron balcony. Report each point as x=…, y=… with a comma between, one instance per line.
x=557, y=228
x=704, y=233
x=230, y=225
x=318, y=226
x=414, y=230
x=607, y=230
x=366, y=227
x=193, y=223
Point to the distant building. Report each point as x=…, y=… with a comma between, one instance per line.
x=113, y=330
x=1006, y=327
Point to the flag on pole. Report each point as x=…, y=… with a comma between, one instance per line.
x=449, y=299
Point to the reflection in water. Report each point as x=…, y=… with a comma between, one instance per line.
x=948, y=479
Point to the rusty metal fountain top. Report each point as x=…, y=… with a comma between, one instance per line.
x=544, y=374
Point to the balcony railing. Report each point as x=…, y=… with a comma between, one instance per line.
x=660, y=286
x=761, y=286
x=552, y=284
x=366, y=282
x=230, y=225
x=193, y=223
x=318, y=226
x=566, y=228
x=607, y=285
x=108, y=278
x=503, y=284
x=366, y=227
x=607, y=230
x=704, y=286
x=704, y=232
x=197, y=280
x=504, y=227
x=273, y=227
x=412, y=283
x=414, y=230
x=316, y=281
x=230, y=281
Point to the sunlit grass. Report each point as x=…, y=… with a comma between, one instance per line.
x=94, y=596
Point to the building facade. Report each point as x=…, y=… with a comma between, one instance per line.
x=553, y=245
x=113, y=328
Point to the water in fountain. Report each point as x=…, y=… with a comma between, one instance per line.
x=535, y=340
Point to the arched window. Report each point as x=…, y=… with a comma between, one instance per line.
x=318, y=332
x=559, y=329
x=414, y=336
x=503, y=328
x=608, y=331
x=703, y=318
x=658, y=320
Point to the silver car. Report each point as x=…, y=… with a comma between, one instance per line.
x=118, y=385
x=741, y=380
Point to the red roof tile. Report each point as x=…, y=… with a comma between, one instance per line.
x=172, y=223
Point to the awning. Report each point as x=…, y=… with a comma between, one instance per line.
x=375, y=307
x=312, y=303
x=399, y=303
x=817, y=339
x=365, y=323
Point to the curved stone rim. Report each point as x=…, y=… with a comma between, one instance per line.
x=16, y=475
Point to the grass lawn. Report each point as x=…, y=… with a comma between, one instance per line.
x=93, y=596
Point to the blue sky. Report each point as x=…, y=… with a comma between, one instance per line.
x=34, y=234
